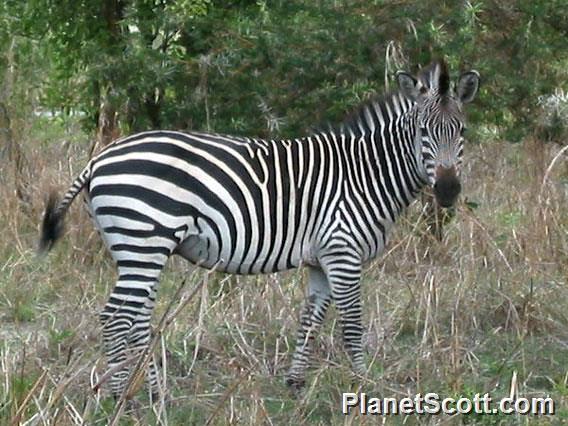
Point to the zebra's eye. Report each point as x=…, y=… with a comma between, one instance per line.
x=462, y=131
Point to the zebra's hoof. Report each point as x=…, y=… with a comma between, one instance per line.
x=295, y=384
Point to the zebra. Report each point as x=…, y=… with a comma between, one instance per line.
x=243, y=205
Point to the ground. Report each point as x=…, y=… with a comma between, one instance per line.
x=457, y=317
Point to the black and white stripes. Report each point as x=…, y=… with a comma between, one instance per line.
x=250, y=206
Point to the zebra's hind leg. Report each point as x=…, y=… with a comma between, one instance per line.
x=116, y=327
x=138, y=340
x=313, y=314
x=126, y=320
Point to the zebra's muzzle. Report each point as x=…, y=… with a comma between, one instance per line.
x=447, y=186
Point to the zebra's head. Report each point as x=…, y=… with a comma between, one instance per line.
x=440, y=124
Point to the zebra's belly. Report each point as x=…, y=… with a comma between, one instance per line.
x=198, y=250
x=201, y=250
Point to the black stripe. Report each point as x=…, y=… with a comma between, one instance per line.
x=139, y=264
x=136, y=277
x=140, y=249
x=166, y=204
x=131, y=291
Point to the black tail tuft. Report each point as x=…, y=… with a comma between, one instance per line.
x=52, y=225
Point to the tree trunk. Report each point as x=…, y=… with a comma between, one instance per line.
x=10, y=150
x=113, y=13
x=108, y=124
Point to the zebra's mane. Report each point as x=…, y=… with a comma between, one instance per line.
x=359, y=116
x=434, y=76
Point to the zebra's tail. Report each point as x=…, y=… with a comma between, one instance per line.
x=55, y=210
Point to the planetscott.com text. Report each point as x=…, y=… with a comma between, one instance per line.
x=432, y=403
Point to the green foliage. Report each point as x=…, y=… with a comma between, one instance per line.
x=276, y=67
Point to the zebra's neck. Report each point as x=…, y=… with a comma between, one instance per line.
x=381, y=146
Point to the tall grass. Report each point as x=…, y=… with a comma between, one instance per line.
x=456, y=316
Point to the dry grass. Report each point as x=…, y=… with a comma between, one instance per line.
x=456, y=317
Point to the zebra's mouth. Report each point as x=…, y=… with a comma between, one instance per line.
x=447, y=187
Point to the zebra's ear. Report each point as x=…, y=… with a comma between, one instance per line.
x=467, y=87
x=407, y=84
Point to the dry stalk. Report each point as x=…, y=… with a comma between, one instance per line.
x=228, y=393
x=544, y=204
x=548, y=171
x=476, y=221
x=18, y=417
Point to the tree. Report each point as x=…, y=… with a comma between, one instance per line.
x=113, y=60
x=278, y=67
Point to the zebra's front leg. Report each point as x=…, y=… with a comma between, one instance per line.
x=313, y=314
x=344, y=275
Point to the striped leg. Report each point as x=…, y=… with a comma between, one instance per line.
x=140, y=337
x=312, y=316
x=126, y=320
x=344, y=274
